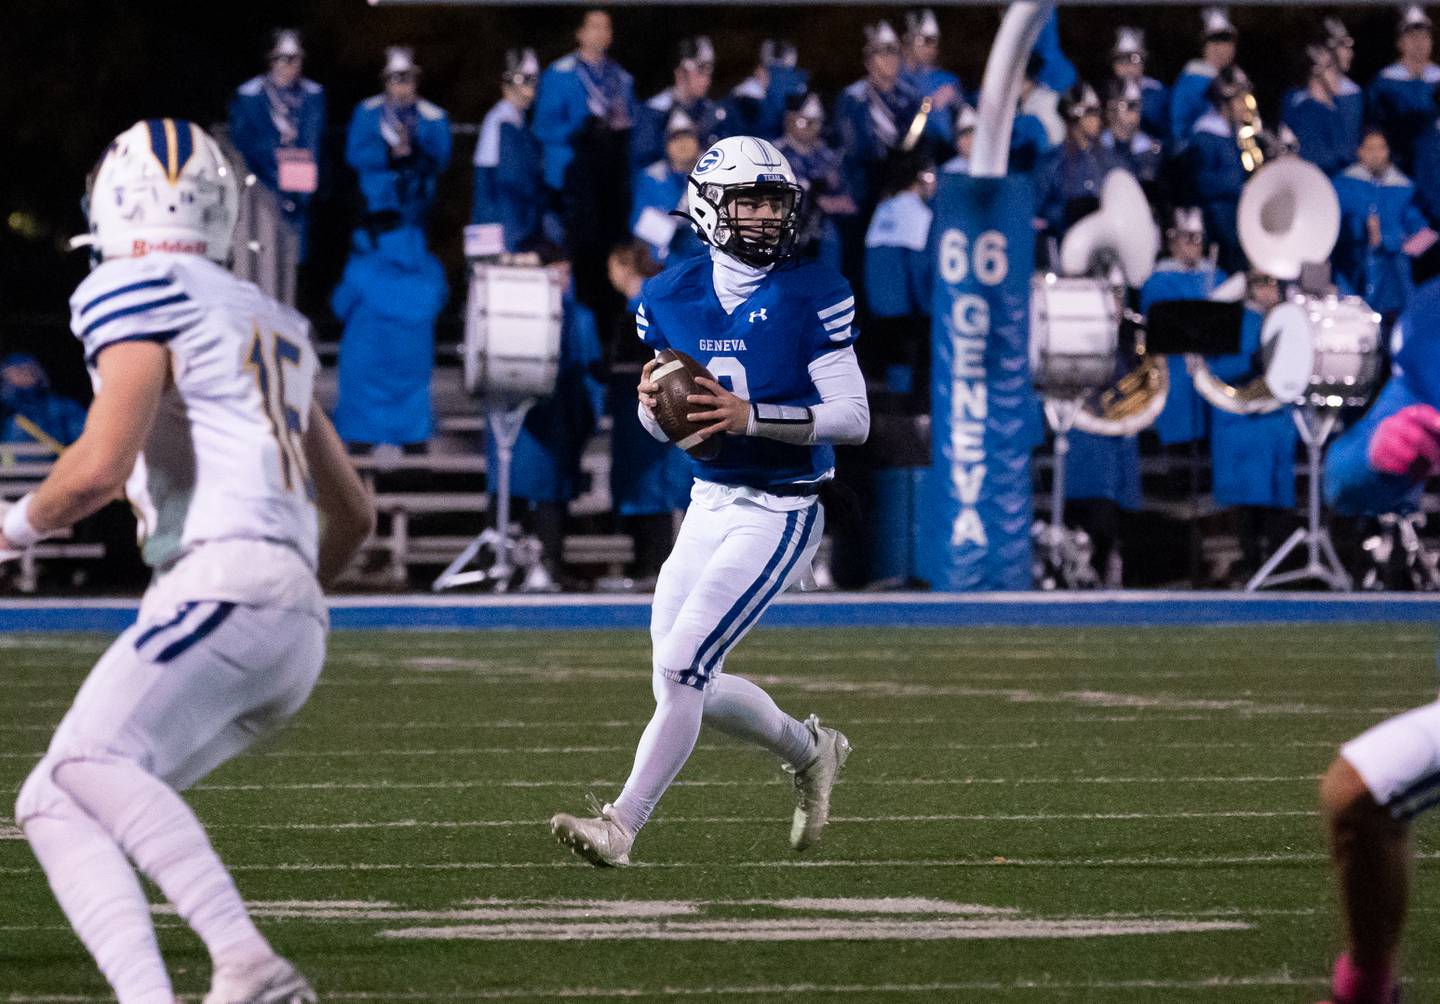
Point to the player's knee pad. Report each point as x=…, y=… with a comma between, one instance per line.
x=676, y=660
x=40, y=795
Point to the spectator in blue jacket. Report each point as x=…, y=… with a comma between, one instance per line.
x=817, y=169
x=1401, y=99
x=660, y=190
x=922, y=71
x=277, y=123
x=399, y=143
x=30, y=412
x=1315, y=117
x=1213, y=165
x=1127, y=61
x=583, y=116
x=1380, y=227
x=509, y=186
x=1136, y=150
x=874, y=114
x=1069, y=188
x=898, y=281
x=1186, y=274
x=1190, y=96
x=391, y=293
x=756, y=106
x=694, y=69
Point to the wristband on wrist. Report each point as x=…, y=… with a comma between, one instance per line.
x=17, y=527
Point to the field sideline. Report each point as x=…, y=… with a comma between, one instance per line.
x=1104, y=814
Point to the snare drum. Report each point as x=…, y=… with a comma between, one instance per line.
x=513, y=320
x=1074, y=328
x=1322, y=351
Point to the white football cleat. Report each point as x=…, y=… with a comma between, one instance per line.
x=813, y=783
x=273, y=981
x=602, y=841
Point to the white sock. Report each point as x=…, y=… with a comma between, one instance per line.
x=153, y=825
x=102, y=899
x=739, y=708
x=665, y=746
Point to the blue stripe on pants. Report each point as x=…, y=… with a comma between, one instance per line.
x=719, y=654
x=209, y=624
x=155, y=629
x=690, y=676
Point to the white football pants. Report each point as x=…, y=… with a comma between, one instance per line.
x=1399, y=760
x=727, y=566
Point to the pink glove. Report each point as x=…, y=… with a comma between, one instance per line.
x=1408, y=443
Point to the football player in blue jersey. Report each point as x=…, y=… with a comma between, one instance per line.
x=777, y=333
x=1389, y=774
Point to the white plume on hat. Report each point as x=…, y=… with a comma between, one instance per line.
x=1216, y=21
x=965, y=119
x=880, y=36
x=922, y=24
x=399, y=59
x=1128, y=41
x=1189, y=220
x=1414, y=16
x=286, y=42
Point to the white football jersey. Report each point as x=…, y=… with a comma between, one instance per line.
x=225, y=459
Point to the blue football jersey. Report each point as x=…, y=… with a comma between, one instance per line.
x=761, y=352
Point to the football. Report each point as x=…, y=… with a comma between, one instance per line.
x=675, y=378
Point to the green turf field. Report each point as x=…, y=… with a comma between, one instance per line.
x=1042, y=815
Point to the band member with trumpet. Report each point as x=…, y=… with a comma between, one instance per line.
x=1253, y=455
x=1315, y=116
x=1215, y=160
x=1385, y=777
x=874, y=114
x=1380, y=228
x=1401, y=99
x=1189, y=98
x=1187, y=273
x=929, y=80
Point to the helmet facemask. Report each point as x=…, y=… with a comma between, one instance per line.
x=756, y=223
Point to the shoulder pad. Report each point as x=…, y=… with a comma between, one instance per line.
x=662, y=102
x=1212, y=124
x=370, y=104
x=1348, y=86
x=251, y=87
x=1198, y=68
x=429, y=110
x=1356, y=172
x=1394, y=72
x=857, y=89
x=310, y=86
x=660, y=170
x=565, y=64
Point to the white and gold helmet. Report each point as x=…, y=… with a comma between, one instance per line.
x=162, y=185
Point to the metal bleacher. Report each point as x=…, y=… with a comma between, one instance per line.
x=22, y=467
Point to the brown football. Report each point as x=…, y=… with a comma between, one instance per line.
x=675, y=376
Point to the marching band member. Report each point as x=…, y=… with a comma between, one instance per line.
x=1190, y=96
x=1401, y=99
x=1127, y=61
x=509, y=188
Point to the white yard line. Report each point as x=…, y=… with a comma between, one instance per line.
x=926, y=782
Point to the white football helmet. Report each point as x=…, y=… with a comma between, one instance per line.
x=163, y=185
x=731, y=170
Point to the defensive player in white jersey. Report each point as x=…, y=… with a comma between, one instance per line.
x=778, y=334
x=203, y=417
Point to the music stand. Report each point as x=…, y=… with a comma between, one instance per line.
x=1316, y=423
x=511, y=356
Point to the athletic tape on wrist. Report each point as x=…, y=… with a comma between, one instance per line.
x=17, y=527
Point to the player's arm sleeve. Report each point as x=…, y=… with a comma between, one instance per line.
x=842, y=418
x=146, y=303
x=1352, y=486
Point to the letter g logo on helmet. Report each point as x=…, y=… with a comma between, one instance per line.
x=710, y=161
